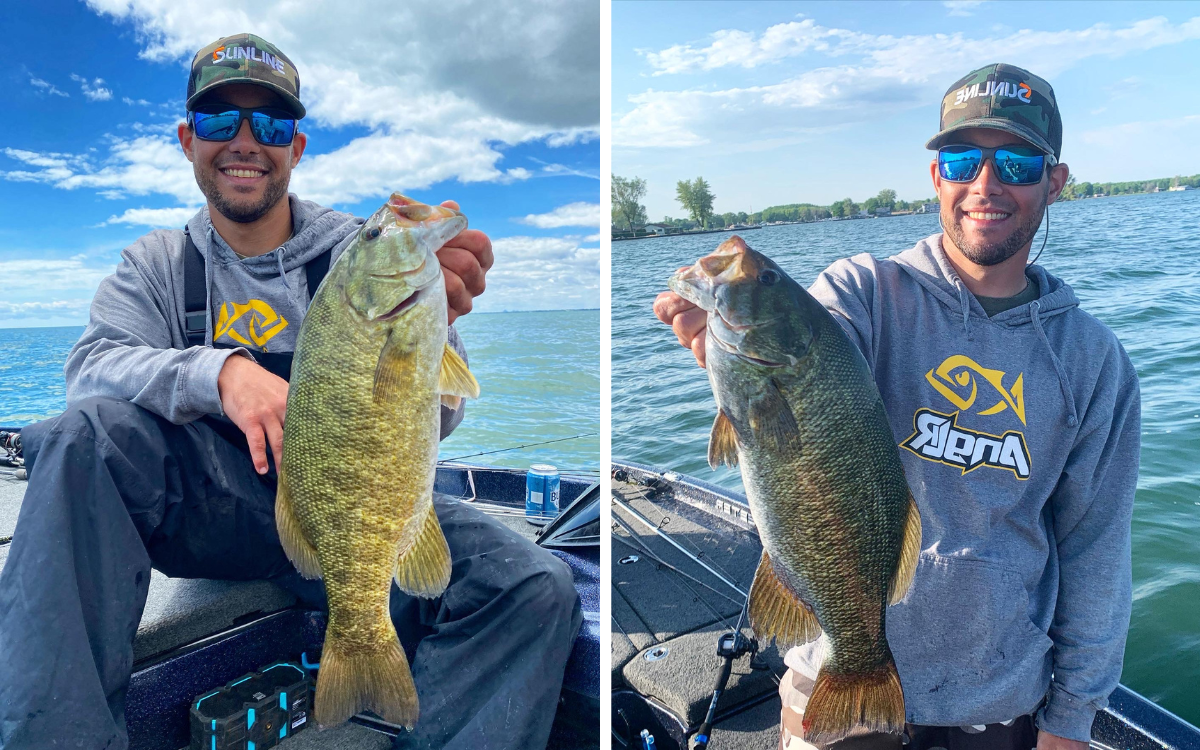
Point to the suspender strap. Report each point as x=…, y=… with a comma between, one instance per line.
x=195, y=293
x=195, y=297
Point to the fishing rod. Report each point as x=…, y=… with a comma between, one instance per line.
x=659, y=561
x=626, y=507
x=518, y=447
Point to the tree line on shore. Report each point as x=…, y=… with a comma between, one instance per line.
x=696, y=198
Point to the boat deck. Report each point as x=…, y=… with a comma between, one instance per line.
x=666, y=621
x=181, y=613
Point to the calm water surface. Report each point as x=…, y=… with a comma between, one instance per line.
x=538, y=372
x=1132, y=261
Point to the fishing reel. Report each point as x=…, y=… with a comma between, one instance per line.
x=10, y=448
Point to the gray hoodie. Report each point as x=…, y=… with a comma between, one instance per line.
x=1019, y=436
x=135, y=346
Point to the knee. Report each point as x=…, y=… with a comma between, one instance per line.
x=96, y=416
x=86, y=422
x=549, y=598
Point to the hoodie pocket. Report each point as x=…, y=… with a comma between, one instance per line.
x=965, y=648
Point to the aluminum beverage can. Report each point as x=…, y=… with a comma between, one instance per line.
x=541, y=493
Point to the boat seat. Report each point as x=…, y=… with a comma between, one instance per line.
x=683, y=678
x=178, y=611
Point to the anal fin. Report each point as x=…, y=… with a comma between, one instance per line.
x=455, y=379
x=298, y=549
x=776, y=611
x=910, y=549
x=424, y=568
x=722, y=443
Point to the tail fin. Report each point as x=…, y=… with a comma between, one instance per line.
x=842, y=702
x=364, y=680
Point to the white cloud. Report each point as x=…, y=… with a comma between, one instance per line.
x=439, y=96
x=46, y=86
x=539, y=273
x=135, y=166
x=895, y=72
x=140, y=102
x=962, y=7
x=73, y=308
x=154, y=217
x=49, y=277
x=571, y=215
x=94, y=91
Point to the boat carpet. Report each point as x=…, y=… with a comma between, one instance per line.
x=683, y=677
x=755, y=729
x=665, y=602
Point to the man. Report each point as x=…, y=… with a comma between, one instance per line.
x=1017, y=415
x=165, y=455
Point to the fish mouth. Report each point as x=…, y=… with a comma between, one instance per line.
x=403, y=307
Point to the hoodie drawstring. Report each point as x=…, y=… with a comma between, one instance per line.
x=1063, y=383
x=966, y=307
x=282, y=275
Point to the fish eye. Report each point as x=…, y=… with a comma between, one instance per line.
x=768, y=277
x=372, y=233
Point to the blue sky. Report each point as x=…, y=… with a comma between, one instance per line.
x=777, y=103
x=500, y=115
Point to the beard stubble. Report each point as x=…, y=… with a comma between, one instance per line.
x=241, y=212
x=992, y=255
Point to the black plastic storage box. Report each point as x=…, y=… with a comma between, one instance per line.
x=253, y=712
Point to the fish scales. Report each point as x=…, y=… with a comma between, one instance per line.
x=355, y=501
x=798, y=409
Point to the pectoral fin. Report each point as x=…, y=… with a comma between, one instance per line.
x=424, y=568
x=298, y=549
x=722, y=443
x=776, y=610
x=771, y=419
x=392, y=362
x=456, y=381
x=906, y=568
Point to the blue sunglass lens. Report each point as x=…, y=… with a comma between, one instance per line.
x=959, y=165
x=1019, y=167
x=216, y=126
x=272, y=130
x=270, y=127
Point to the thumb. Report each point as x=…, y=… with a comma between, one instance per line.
x=450, y=204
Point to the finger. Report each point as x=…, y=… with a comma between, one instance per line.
x=698, y=351
x=669, y=304
x=458, y=299
x=258, y=447
x=275, y=435
x=476, y=243
x=688, y=325
x=464, y=265
x=450, y=204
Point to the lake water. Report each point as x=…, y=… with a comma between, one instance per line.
x=538, y=372
x=1133, y=263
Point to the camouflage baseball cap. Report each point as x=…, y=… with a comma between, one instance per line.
x=244, y=58
x=1002, y=97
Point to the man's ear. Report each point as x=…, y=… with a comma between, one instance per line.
x=937, y=178
x=1058, y=180
x=299, y=143
x=186, y=139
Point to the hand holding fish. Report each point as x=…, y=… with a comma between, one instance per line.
x=465, y=260
x=254, y=400
x=686, y=319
